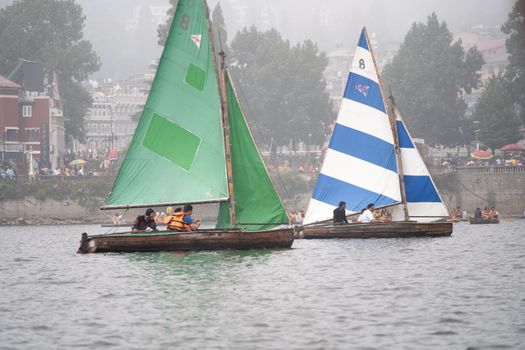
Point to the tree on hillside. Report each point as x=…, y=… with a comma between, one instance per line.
x=429, y=75
x=282, y=86
x=50, y=31
x=163, y=29
x=515, y=72
x=219, y=27
x=498, y=120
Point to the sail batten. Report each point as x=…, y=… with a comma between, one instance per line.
x=360, y=165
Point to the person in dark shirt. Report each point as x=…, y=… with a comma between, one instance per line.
x=340, y=214
x=477, y=213
x=143, y=222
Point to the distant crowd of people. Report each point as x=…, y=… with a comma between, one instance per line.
x=7, y=173
x=515, y=160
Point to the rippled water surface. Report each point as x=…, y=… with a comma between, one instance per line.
x=466, y=291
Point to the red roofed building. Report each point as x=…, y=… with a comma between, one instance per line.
x=495, y=55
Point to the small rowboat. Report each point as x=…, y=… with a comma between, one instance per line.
x=481, y=221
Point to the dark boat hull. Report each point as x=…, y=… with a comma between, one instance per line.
x=379, y=230
x=480, y=221
x=181, y=241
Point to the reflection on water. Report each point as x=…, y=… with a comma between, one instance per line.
x=461, y=292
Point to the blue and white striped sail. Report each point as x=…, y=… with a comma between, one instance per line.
x=423, y=200
x=360, y=165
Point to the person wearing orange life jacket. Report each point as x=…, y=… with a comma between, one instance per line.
x=182, y=220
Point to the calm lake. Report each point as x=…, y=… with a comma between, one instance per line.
x=462, y=292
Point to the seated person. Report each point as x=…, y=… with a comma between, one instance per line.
x=340, y=214
x=368, y=214
x=477, y=213
x=493, y=213
x=385, y=216
x=143, y=222
x=485, y=214
x=182, y=220
x=361, y=217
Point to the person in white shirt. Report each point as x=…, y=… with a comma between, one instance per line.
x=361, y=217
x=368, y=214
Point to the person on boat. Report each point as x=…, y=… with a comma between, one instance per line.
x=477, y=213
x=494, y=214
x=485, y=214
x=167, y=216
x=385, y=215
x=368, y=214
x=340, y=214
x=361, y=217
x=182, y=221
x=143, y=222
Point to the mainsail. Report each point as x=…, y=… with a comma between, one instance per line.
x=423, y=200
x=360, y=165
x=177, y=153
x=257, y=203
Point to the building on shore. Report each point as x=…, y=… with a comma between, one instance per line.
x=24, y=124
x=113, y=116
x=494, y=54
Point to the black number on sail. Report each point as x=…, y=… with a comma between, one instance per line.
x=185, y=20
x=362, y=64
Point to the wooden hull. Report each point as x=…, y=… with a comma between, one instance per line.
x=479, y=221
x=379, y=230
x=181, y=241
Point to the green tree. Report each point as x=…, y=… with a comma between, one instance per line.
x=50, y=31
x=282, y=86
x=219, y=27
x=164, y=28
x=429, y=75
x=498, y=121
x=515, y=72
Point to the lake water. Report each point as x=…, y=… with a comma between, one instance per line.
x=462, y=292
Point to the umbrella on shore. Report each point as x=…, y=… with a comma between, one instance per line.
x=483, y=155
x=512, y=147
x=77, y=162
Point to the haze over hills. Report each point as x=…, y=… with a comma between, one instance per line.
x=124, y=34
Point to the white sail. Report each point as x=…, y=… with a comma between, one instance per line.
x=423, y=200
x=360, y=165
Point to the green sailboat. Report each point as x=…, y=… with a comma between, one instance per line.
x=193, y=145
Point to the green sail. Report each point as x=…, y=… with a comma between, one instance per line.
x=257, y=203
x=177, y=152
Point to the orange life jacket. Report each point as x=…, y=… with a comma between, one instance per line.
x=177, y=223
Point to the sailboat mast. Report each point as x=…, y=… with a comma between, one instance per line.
x=224, y=113
x=392, y=118
x=226, y=126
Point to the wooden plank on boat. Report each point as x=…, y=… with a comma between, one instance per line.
x=379, y=230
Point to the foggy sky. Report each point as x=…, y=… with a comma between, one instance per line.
x=126, y=51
